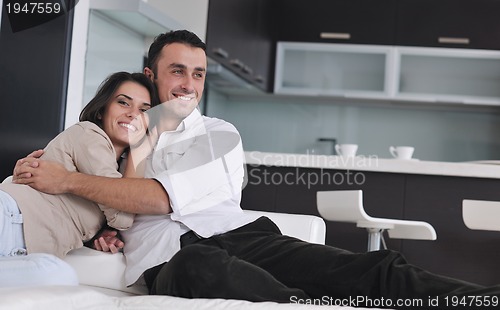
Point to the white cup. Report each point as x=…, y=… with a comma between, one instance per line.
x=346, y=150
x=402, y=152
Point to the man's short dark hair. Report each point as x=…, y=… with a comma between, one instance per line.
x=177, y=36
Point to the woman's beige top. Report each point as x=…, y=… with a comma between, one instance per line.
x=57, y=224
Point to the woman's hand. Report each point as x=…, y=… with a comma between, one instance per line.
x=108, y=241
x=136, y=158
x=28, y=160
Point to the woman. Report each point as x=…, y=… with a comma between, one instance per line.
x=34, y=222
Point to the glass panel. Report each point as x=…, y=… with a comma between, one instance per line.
x=460, y=76
x=110, y=48
x=333, y=70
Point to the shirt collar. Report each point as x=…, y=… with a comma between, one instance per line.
x=189, y=121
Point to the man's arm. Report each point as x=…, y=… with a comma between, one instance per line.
x=133, y=195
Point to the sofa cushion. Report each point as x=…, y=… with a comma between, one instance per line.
x=101, y=269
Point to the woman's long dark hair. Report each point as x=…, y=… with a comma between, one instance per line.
x=94, y=110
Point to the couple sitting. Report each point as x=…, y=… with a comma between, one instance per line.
x=183, y=181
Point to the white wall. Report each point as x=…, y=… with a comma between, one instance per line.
x=192, y=14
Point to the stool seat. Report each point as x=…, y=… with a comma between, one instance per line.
x=347, y=206
x=481, y=214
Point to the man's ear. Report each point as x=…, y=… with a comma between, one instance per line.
x=149, y=73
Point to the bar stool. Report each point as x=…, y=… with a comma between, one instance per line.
x=481, y=214
x=347, y=206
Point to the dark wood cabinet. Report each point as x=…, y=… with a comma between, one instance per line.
x=238, y=37
x=293, y=190
x=448, y=23
x=470, y=255
x=458, y=252
x=242, y=35
x=335, y=21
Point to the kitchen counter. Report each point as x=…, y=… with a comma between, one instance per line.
x=479, y=169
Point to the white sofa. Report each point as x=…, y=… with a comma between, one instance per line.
x=102, y=281
x=105, y=271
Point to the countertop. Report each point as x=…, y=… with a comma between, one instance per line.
x=477, y=169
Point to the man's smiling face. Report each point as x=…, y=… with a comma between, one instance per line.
x=180, y=79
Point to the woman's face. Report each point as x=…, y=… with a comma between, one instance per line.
x=124, y=120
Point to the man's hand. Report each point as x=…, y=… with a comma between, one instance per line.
x=28, y=160
x=108, y=241
x=45, y=176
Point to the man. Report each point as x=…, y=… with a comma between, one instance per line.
x=205, y=246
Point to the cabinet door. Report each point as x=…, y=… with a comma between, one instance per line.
x=293, y=190
x=336, y=21
x=470, y=255
x=449, y=75
x=449, y=23
x=332, y=70
x=239, y=39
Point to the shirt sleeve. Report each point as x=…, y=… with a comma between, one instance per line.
x=94, y=154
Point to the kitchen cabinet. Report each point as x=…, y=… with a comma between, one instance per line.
x=427, y=23
x=293, y=190
x=448, y=23
x=448, y=75
x=417, y=74
x=238, y=37
x=437, y=199
x=335, y=21
x=321, y=69
x=471, y=255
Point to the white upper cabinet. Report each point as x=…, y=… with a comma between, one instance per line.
x=321, y=69
x=448, y=75
x=388, y=72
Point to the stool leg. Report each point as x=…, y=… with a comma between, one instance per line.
x=374, y=235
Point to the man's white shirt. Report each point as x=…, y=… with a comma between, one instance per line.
x=201, y=166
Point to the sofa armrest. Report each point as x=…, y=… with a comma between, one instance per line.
x=309, y=228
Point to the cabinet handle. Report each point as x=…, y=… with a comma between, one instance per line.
x=259, y=79
x=335, y=35
x=236, y=63
x=220, y=52
x=450, y=40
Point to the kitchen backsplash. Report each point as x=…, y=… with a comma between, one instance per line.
x=294, y=125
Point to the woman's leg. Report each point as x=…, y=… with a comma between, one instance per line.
x=11, y=227
x=34, y=270
x=19, y=269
